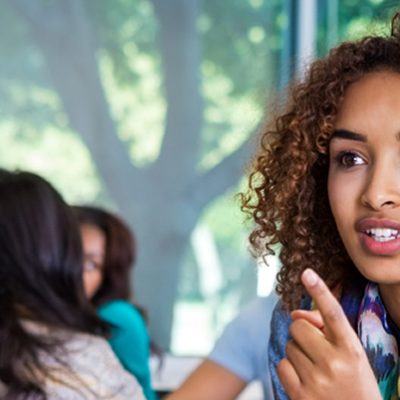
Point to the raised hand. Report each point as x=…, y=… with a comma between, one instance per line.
x=325, y=360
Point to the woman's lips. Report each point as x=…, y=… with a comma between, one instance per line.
x=379, y=236
x=376, y=247
x=373, y=223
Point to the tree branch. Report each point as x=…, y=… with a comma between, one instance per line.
x=223, y=176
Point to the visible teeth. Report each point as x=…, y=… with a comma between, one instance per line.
x=383, y=239
x=383, y=234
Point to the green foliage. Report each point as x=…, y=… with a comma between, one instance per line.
x=241, y=40
x=139, y=109
x=236, y=77
x=25, y=93
x=73, y=173
x=360, y=18
x=125, y=29
x=229, y=120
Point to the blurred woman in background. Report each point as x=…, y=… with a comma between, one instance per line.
x=49, y=348
x=109, y=254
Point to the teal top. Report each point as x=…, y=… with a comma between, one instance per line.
x=129, y=340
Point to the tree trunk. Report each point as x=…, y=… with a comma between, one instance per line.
x=162, y=249
x=163, y=202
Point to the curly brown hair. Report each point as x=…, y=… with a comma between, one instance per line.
x=287, y=196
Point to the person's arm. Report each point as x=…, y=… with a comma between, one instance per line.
x=235, y=359
x=210, y=381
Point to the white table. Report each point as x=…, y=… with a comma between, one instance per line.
x=175, y=370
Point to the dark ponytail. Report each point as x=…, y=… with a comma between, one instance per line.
x=40, y=281
x=19, y=361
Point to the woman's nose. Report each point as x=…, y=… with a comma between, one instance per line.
x=382, y=189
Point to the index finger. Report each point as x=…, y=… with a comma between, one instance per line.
x=336, y=324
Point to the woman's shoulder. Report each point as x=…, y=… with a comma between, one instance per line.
x=94, y=361
x=84, y=343
x=121, y=313
x=119, y=307
x=85, y=367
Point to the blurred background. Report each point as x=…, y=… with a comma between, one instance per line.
x=151, y=108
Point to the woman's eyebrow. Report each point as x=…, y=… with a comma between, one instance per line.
x=346, y=134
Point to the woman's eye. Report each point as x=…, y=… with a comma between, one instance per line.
x=349, y=159
x=90, y=265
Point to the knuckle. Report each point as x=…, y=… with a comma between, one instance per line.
x=291, y=350
x=289, y=347
x=357, y=353
x=340, y=367
x=294, y=327
x=335, y=366
x=300, y=395
x=320, y=381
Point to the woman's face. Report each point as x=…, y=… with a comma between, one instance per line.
x=94, y=244
x=364, y=175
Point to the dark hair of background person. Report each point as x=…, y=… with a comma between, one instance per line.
x=287, y=195
x=40, y=279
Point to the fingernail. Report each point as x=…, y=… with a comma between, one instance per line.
x=309, y=277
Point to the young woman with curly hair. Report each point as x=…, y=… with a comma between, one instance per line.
x=326, y=187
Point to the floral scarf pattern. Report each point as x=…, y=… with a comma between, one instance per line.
x=378, y=335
